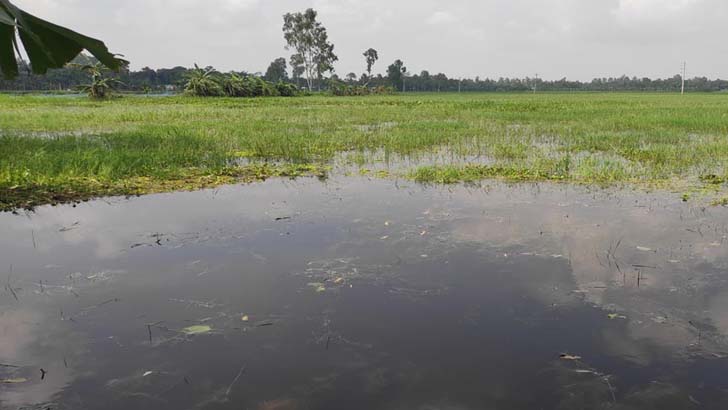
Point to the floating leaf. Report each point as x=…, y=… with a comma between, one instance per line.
x=565, y=356
x=338, y=280
x=644, y=249
x=318, y=286
x=147, y=373
x=196, y=330
x=616, y=316
x=245, y=318
x=14, y=381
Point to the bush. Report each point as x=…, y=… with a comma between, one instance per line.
x=286, y=89
x=341, y=89
x=251, y=86
x=203, y=87
x=234, y=86
x=203, y=83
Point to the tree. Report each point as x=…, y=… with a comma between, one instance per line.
x=325, y=59
x=100, y=87
x=46, y=44
x=310, y=40
x=371, y=57
x=351, y=78
x=297, y=68
x=277, y=71
x=395, y=73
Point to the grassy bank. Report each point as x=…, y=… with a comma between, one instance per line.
x=55, y=149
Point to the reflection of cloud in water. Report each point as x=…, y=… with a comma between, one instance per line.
x=608, y=240
x=35, y=341
x=111, y=228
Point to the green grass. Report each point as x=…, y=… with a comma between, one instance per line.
x=55, y=149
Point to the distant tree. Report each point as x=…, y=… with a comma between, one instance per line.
x=371, y=57
x=395, y=73
x=310, y=40
x=325, y=59
x=46, y=44
x=440, y=80
x=351, y=78
x=277, y=71
x=297, y=68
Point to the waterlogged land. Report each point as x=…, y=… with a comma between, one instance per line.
x=358, y=292
x=63, y=149
x=366, y=294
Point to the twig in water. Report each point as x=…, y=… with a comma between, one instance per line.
x=42, y=374
x=9, y=287
x=696, y=328
x=611, y=389
x=106, y=302
x=149, y=328
x=240, y=373
x=32, y=235
x=328, y=340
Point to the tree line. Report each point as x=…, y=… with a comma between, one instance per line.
x=175, y=79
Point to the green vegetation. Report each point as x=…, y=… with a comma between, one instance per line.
x=208, y=83
x=46, y=44
x=55, y=149
x=100, y=86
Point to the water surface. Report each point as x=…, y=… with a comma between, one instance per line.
x=364, y=294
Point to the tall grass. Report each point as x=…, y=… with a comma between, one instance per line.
x=48, y=141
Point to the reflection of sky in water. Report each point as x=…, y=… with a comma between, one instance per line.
x=366, y=294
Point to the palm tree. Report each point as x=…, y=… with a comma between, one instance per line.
x=46, y=44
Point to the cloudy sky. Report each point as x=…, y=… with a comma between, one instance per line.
x=577, y=39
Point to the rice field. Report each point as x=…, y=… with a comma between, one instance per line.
x=56, y=149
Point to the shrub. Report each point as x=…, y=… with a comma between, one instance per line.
x=286, y=89
x=203, y=83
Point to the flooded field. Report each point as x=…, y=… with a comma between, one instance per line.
x=366, y=294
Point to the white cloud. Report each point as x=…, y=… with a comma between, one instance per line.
x=650, y=10
x=441, y=17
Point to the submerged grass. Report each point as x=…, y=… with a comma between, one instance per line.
x=61, y=149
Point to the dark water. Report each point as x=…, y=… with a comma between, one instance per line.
x=357, y=294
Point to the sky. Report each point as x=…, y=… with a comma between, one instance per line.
x=576, y=39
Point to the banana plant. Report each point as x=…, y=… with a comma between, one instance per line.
x=203, y=83
x=46, y=44
x=100, y=87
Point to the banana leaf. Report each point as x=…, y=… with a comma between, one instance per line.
x=47, y=45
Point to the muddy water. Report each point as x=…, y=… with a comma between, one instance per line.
x=359, y=294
